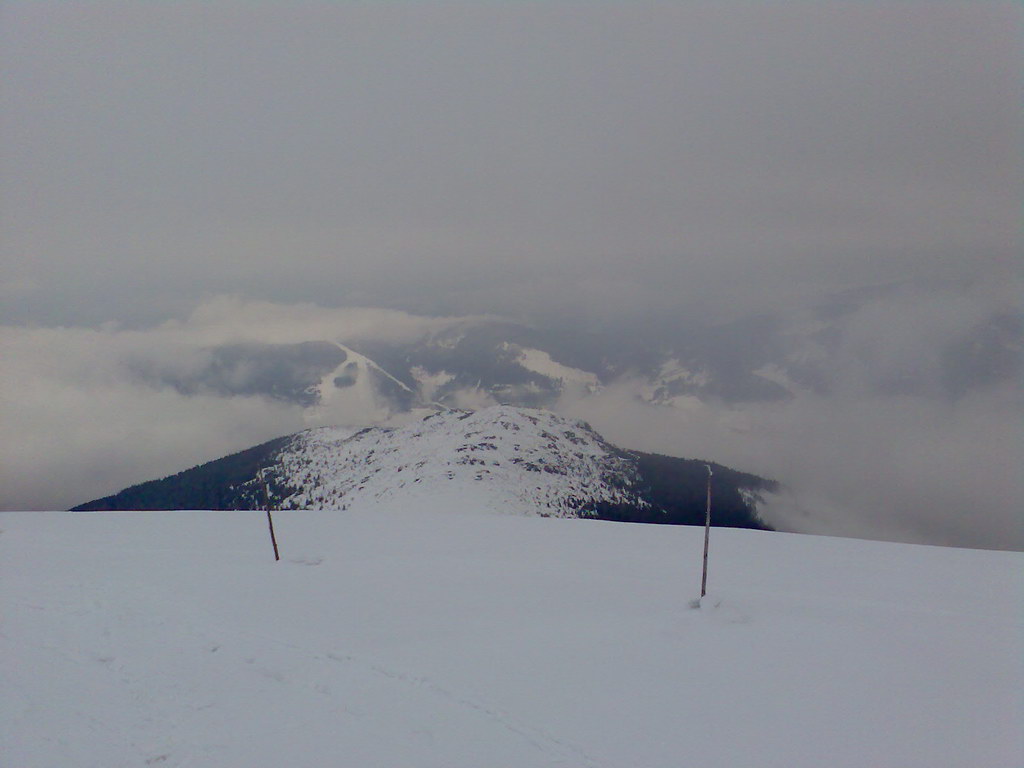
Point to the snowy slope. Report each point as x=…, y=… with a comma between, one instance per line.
x=426, y=638
x=358, y=385
x=508, y=459
x=539, y=361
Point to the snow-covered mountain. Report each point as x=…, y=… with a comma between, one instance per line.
x=512, y=456
x=506, y=459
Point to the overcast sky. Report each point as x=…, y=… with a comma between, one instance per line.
x=442, y=157
x=605, y=164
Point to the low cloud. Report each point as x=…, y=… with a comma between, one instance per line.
x=902, y=468
x=229, y=319
x=898, y=447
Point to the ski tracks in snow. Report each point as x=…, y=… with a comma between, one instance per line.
x=556, y=751
x=559, y=750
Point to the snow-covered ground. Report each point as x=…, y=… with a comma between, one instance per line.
x=434, y=637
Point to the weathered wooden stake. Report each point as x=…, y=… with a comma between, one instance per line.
x=707, y=536
x=270, y=520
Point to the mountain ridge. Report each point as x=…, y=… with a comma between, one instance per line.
x=502, y=459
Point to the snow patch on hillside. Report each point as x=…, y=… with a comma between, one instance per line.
x=357, y=392
x=538, y=361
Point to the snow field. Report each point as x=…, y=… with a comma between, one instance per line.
x=438, y=637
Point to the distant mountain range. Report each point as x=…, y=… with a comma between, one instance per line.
x=504, y=459
x=475, y=362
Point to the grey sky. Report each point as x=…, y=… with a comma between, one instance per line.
x=178, y=174
x=443, y=157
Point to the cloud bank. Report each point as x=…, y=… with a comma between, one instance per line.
x=899, y=468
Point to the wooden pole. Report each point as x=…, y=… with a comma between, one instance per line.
x=707, y=536
x=270, y=520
